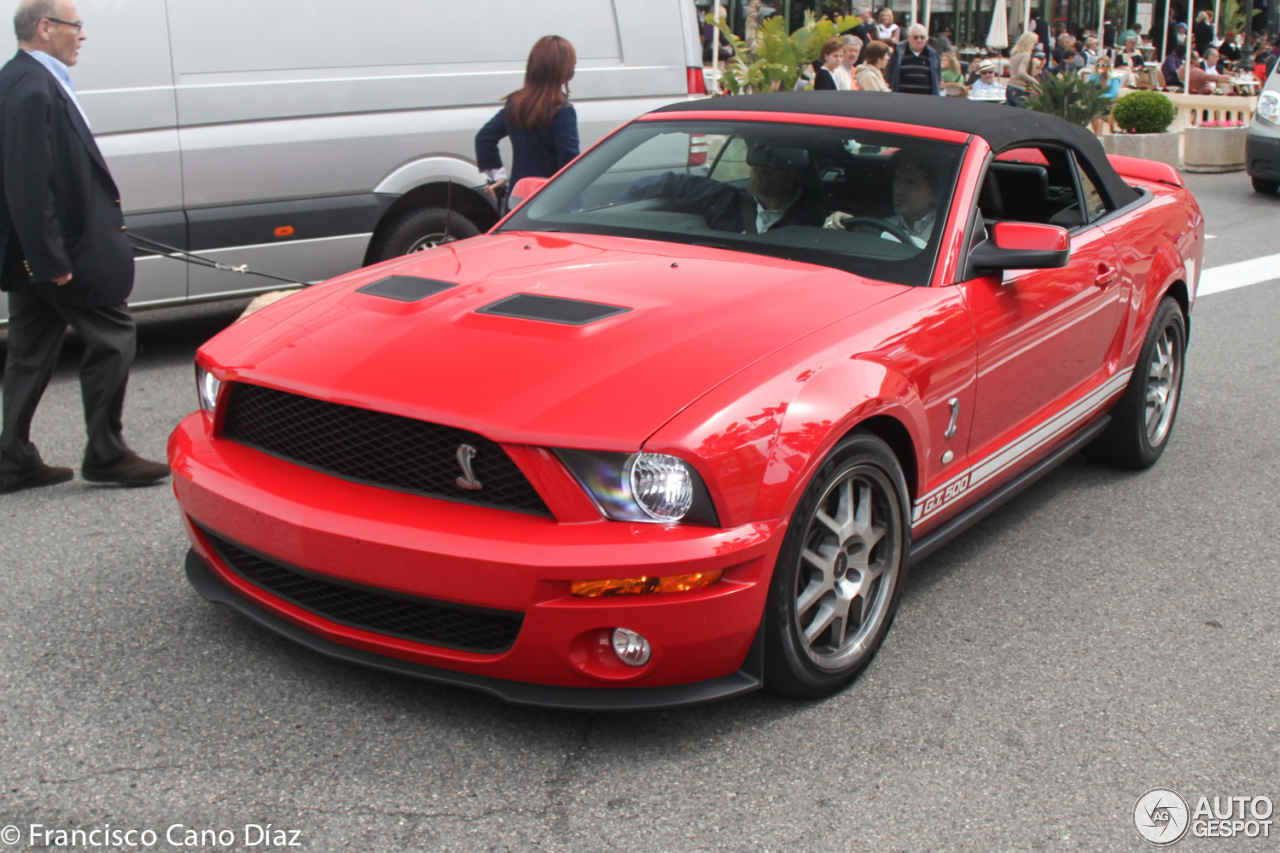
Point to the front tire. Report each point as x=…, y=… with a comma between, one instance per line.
x=1142, y=421
x=418, y=230
x=838, y=579
x=1267, y=187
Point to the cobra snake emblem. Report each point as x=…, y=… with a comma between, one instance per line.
x=468, y=479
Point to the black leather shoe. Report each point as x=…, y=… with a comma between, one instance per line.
x=41, y=476
x=129, y=470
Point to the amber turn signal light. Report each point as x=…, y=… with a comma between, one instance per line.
x=644, y=586
x=284, y=231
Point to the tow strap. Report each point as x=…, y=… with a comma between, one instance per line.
x=149, y=245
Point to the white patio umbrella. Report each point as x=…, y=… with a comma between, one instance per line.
x=998, y=35
x=715, y=51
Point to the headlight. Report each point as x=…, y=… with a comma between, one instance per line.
x=651, y=487
x=662, y=485
x=207, y=386
x=1269, y=106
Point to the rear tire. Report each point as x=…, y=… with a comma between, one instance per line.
x=418, y=230
x=838, y=579
x=1142, y=421
x=1262, y=185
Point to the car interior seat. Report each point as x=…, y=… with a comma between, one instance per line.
x=1024, y=191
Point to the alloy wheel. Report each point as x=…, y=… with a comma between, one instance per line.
x=1162, y=386
x=427, y=241
x=848, y=568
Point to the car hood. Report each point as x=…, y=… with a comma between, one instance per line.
x=696, y=316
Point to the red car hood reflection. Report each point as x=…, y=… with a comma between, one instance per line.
x=698, y=315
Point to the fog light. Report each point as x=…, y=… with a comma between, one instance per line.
x=631, y=648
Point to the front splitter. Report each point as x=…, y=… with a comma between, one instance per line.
x=745, y=680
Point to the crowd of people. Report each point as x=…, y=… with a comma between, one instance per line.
x=881, y=54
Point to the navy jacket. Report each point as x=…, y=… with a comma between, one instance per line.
x=59, y=207
x=539, y=154
x=895, y=61
x=725, y=207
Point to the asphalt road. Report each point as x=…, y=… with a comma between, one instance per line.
x=1106, y=634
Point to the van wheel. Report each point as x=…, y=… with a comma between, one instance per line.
x=1262, y=185
x=418, y=230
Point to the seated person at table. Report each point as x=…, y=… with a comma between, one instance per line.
x=1130, y=56
x=917, y=181
x=986, y=86
x=775, y=198
x=1172, y=64
x=951, y=70
x=1202, y=82
x=1110, y=85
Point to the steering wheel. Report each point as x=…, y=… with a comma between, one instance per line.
x=883, y=224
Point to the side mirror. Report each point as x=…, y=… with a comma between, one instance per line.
x=1022, y=245
x=524, y=188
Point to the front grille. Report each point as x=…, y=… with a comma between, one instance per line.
x=418, y=619
x=377, y=448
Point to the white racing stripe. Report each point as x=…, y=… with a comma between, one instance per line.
x=1018, y=449
x=1239, y=274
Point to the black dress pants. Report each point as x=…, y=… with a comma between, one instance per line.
x=36, y=327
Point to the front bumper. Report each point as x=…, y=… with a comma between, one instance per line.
x=704, y=641
x=1262, y=153
x=745, y=680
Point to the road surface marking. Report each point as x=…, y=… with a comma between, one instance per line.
x=1239, y=274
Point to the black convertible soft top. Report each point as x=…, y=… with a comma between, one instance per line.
x=1001, y=126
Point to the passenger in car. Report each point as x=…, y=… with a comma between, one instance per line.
x=917, y=179
x=776, y=197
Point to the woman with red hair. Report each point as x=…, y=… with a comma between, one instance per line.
x=539, y=119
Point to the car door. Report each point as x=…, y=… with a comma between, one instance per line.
x=1044, y=336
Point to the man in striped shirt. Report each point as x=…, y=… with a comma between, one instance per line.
x=915, y=67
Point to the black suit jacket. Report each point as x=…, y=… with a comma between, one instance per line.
x=61, y=209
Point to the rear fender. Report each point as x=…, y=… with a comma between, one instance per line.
x=1167, y=270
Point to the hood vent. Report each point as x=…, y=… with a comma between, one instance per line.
x=406, y=288
x=552, y=309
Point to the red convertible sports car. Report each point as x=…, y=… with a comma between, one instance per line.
x=677, y=428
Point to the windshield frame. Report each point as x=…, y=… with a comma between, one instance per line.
x=916, y=270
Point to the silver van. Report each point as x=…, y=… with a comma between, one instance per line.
x=1262, y=145
x=306, y=138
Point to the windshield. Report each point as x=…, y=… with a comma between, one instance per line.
x=865, y=202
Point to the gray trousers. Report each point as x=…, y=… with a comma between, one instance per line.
x=36, y=327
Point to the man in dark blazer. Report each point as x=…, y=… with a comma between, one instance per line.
x=64, y=257
x=914, y=67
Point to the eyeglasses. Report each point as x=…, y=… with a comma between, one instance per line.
x=79, y=25
x=985, y=73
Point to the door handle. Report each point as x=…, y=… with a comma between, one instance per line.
x=1106, y=275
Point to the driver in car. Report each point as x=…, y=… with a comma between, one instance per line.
x=917, y=182
x=775, y=197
